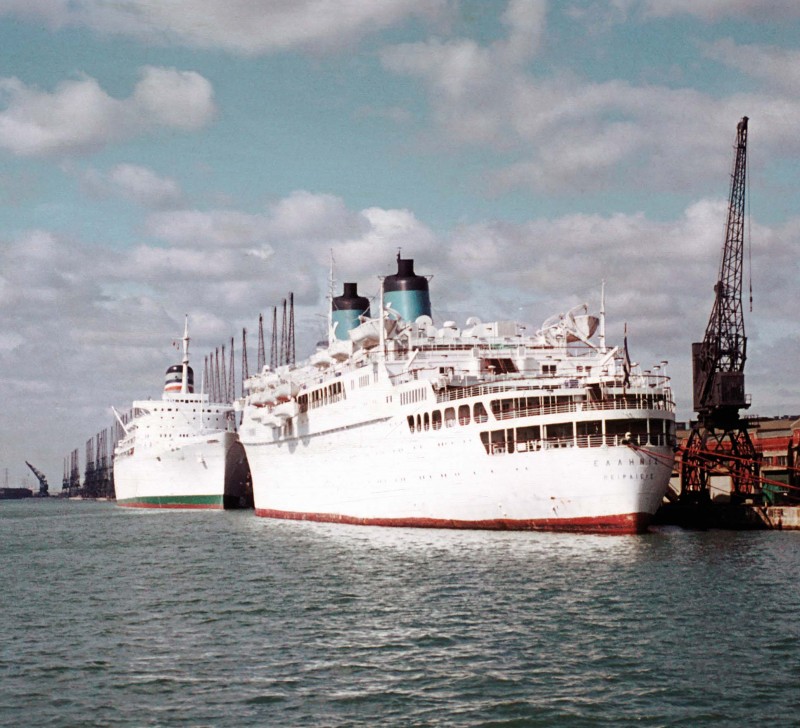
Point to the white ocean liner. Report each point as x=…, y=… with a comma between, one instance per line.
x=181, y=451
x=400, y=423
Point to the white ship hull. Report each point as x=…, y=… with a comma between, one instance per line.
x=407, y=424
x=450, y=482
x=191, y=474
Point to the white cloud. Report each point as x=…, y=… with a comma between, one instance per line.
x=144, y=186
x=526, y=22
x=383, y=233
x=213, y=229
x=714, y=10
x=308, y=216
x=568, y=133
x=172, y=98
x=79, y=117
x=778, y=68
x=238, y=26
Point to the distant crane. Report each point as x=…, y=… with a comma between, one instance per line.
x=43, y=486
x=719, y=442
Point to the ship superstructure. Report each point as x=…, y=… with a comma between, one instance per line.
x=181, y=451
x=398, y=422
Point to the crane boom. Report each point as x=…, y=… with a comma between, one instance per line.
x=718, y=362
x=40, y=476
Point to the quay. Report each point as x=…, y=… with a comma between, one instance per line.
x=777, y=507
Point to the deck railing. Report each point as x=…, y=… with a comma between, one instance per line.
x=552, y=443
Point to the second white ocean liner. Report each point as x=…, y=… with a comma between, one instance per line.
x=181, y=451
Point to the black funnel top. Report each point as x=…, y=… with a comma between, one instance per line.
x=350, y=300
x=405, y=279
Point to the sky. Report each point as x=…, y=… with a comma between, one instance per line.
x=207, y=157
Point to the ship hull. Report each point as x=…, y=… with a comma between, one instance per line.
x=440, y=481
x=199, y=473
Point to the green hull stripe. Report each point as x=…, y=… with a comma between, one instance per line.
x=178, y=500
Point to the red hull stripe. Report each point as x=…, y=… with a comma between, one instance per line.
x=617, y=524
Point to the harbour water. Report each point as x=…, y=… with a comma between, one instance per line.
x=118, y=617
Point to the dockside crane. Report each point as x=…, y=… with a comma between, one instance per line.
x=40, y=476
x=719, y=442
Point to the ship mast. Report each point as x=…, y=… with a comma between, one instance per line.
x=331, y=336
x=185, y=362
x=603, y=317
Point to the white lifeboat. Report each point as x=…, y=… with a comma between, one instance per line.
x=322, y=360
x=368, y=334
x=340, y=350
x=286, y=389
x=259, y=399
x=285, y=410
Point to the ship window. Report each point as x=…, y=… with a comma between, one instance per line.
x=426, y=421
x=618, y=429
x=463, y=414
x=590, y=434
x=479, y=412
x=498, y=441
x=662, y=432
x=671, y=428
x=419, y=423
x=560, y=431
x=500, y=366
x=510, y=442
x=528, y=438
x=411, y=423
x=449, y=417
x=503, y=408
x=436, y=419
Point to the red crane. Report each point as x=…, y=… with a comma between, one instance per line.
x=719, y=442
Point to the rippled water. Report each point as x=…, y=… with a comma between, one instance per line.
x=119, y=617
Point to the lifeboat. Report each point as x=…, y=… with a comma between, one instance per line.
x=368, y=334
x=285, y=410
x=322, y=360
x=286, y=389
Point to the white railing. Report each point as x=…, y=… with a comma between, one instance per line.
x=551, y=443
